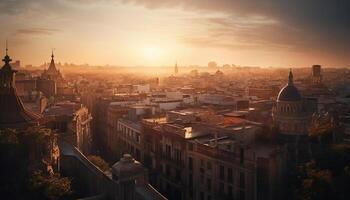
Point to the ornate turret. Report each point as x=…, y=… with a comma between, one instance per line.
x=52, y=66
x=52, y=73
x=12, y=112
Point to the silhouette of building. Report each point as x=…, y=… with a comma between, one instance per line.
x=51, y=81
x=52, y=73
x=316, y=74
x=13, y=114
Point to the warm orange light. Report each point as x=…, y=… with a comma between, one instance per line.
x=152, y=53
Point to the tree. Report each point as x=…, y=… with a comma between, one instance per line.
x=99, y=162
x=327, y=176
x=322, y=127
x=52, y=186
x=27, y=154
x=315, y=183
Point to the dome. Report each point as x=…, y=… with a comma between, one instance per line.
x=289, y=92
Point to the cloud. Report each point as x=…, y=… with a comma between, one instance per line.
x=37, y=31
x=306, y=24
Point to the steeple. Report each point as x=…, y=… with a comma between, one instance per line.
x=176, y=68
x=12, y=111
x=52, y=66
x=7, y=73
x=290, y=77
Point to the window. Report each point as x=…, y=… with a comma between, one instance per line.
x=229, y=191
x=190, y=146
x=190, y=163
x=177, y=155
x=209, y=184
x=201, y=194
x=209, y=166
x=221, y=188
x=178, y=175
x=229, y=175
x=168, y=151
x=241, y=155
x=137, y=137
x=241, y=195
x=167, y=168
x=190, y=180
x=222, y=172
x=242, y=180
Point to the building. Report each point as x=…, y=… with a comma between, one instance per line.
x=291, y=114
x=51, y=82
x=316, y=74
x=73, y=122
x=188, y=157
x=52, y=73
x=13, y=114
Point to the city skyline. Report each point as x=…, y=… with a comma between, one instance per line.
x=157, y=33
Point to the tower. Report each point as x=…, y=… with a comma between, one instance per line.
x=13, y=114
x=316, y=74
x=52, y=73
x=176, y=69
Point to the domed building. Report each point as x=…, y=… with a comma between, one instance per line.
x=290, y=114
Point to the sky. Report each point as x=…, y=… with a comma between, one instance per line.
x=278, y=33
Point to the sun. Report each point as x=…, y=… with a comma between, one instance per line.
x=152, y=53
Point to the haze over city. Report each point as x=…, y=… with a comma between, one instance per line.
x=159, y=32
x=175, y=100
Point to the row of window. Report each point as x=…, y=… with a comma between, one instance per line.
x=128, y=132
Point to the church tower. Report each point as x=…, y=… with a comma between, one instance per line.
x=13, y=114
x=52, y=73
x=176, y=69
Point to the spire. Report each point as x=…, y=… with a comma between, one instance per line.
x=176, y=68
x=52, y=66
x=290, y=77
x=12, y=111
x=7, y=48
x=7, y=58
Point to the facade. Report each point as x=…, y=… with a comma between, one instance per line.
x=126, y=180
x=189, y=159
x=73, y=122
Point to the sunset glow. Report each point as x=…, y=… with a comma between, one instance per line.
x=144, y=32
